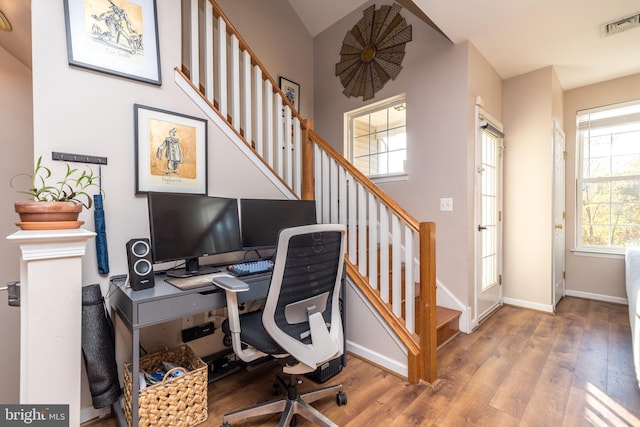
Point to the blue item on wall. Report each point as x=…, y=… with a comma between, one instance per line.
x=101, y=235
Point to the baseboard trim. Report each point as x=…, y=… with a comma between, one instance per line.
x=547, y=308
x=378, y=359
x=596, y=297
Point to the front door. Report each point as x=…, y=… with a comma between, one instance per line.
x=488, y=216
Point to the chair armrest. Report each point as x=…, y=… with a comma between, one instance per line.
x=230, y=284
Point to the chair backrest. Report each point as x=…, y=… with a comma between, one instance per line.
x=302, y=311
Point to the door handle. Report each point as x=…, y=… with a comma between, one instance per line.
x=559, y=226
x=481, y=227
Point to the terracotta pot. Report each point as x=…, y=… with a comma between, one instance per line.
x=31, y=212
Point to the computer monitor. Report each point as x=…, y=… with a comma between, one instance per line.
x=189, y=226
x=262, y=219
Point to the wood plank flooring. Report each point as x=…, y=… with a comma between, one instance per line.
x=519, y=368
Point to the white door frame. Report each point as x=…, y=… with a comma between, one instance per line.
x=559, y=217
x=486, y=300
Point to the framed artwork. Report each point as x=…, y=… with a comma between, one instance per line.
x=118, y=37
x=171, y=151
x=291, y=90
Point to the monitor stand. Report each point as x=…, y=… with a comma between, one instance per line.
x=192, y=268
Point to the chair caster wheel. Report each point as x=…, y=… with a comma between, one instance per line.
x=225, y=424
x=341, y=398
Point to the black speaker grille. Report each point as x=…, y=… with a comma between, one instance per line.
x=142, y=267
x=140, y=248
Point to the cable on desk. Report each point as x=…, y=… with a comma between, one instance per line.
x=113, y=287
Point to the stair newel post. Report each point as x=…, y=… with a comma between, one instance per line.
x=427, y=323
x=308, y=184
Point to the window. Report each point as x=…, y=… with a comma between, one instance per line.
x=376, y=138
x=608, y=190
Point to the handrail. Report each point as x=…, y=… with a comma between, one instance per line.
x=238, y=133
x=254, y=58
x=365, y=181
x=387, y=246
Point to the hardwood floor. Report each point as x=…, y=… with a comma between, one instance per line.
x=519, y=368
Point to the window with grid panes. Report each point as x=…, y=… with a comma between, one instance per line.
x=376, y=142
x=608, y=187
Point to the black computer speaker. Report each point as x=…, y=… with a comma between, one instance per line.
x=141, y=274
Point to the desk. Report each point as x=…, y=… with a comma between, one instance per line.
x=165, y=302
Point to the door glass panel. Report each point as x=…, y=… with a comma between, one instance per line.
x=489, y=211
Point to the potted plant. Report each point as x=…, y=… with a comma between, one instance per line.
x=53, y=205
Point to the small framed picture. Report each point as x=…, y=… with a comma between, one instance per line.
x=291, y=90
x=171, y=151
x=118, y=37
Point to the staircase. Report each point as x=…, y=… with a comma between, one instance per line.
x=447, y=324
x=390, y=255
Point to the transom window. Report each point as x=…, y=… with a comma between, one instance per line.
x=608, y=193
x=376, y=138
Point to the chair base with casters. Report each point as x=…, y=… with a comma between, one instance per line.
x=294, y=404
x=300, y=323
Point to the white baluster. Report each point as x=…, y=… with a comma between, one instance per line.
x=235, y=82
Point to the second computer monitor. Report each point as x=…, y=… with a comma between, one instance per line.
x=262, y=219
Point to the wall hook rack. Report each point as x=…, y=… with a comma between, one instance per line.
x=80, y=158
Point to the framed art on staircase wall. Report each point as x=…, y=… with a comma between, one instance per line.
x=117, y=37
x=171, y=151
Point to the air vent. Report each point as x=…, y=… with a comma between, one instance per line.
x=620, y=25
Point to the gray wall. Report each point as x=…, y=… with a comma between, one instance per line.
x=284, y=46
x=528, y=188
x=592, y=276
x=441, y=82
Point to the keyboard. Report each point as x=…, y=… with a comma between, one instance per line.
x=250, y=267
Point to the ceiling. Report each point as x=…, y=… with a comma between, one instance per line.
x=514, y=36
x=523, y=35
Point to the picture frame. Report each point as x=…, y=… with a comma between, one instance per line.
x=170, y=151
x=117, y=37
x=291, y=90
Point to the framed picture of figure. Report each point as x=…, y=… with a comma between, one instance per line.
x=291, y=90
x=170, y=151
x=117, y=37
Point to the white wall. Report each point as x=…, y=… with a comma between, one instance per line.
x=16, y=122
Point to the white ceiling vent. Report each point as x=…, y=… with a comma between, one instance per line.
x=620, y=25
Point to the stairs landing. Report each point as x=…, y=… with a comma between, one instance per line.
x=447, y=324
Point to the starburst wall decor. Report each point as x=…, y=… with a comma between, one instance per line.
x=372, y=51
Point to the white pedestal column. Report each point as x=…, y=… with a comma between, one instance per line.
x=51, y=317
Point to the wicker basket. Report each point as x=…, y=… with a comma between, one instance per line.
x=178, y=401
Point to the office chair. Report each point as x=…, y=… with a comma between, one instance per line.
x=300, y=323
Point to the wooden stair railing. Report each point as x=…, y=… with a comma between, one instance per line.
x=223, y=71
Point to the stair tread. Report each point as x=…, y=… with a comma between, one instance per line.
x=444, y=315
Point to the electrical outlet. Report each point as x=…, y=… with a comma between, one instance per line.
x=446, y=204
x=187, y=322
